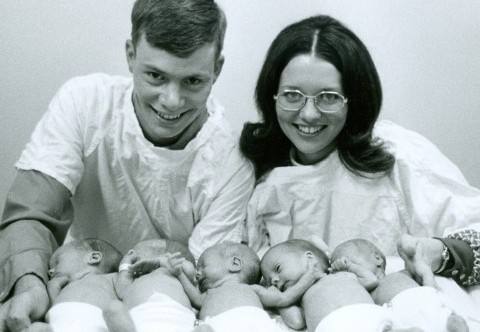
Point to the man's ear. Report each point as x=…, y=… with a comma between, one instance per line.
x=235, y=264
x=218, y=66
x=94, y=257
x=130, y=52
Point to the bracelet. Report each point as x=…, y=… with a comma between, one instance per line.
x=445, y=259
x=124, y=267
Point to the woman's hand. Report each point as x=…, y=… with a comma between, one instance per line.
x=422, y=257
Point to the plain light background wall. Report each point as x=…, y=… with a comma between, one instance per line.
x=427, y=55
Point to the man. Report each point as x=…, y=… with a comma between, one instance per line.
x=127, y=160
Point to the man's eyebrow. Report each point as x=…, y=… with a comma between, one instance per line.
x=199, y=74
x=154, y=68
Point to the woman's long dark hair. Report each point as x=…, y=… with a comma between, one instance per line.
x=266, y=145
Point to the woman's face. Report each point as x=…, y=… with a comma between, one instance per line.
x=312, y=132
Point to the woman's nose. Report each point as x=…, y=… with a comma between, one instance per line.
x=309, y=111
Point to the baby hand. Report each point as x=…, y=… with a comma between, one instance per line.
x=174, y=264
x=144, y=266
x=341, y=264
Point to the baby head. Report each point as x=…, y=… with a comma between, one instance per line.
x=361, y=252
x=227, y=261
x=85, y=255
x=285, y=263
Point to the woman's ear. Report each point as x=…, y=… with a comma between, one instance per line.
x=235, y=264
x=94, y=257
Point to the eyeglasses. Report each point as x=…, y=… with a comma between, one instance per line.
x=325, y=101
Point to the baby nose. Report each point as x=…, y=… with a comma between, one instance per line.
x=274, y=280
x=51, y=273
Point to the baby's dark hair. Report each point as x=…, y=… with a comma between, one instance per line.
x=296, y=245
x=250, y=261
x=358, y=247
x=111, y=256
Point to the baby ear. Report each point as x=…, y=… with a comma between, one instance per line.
x=309, y=255
x=94, y=257
x=235, y=264
x=378, y=258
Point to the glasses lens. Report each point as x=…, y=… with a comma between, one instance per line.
x=330, y=102
x=291, y=100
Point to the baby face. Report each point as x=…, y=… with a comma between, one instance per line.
x=283, y=268
x=66, y=261
x=212, y=267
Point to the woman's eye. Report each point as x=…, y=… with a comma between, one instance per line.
x=292, y=95
x=277, y=268
x=328, y=97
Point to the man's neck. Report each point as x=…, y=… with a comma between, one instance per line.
x=189, y=133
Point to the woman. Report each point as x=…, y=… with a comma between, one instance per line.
x=327, y=171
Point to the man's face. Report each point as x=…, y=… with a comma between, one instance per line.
x=170, y=93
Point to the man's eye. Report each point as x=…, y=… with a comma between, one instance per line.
x=193, y=81
x=154, y=76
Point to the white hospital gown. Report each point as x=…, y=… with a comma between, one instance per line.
x=123, y=188
x=424, y=195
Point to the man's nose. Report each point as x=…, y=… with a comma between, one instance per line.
x=171, y=96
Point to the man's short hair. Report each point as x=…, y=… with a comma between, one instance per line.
x=179, y=27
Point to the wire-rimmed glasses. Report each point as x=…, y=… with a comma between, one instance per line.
x=325, y=101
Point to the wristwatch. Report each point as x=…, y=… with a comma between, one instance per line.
x=445, y=259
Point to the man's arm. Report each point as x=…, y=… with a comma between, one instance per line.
x=30, y=231
x=224, y=217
